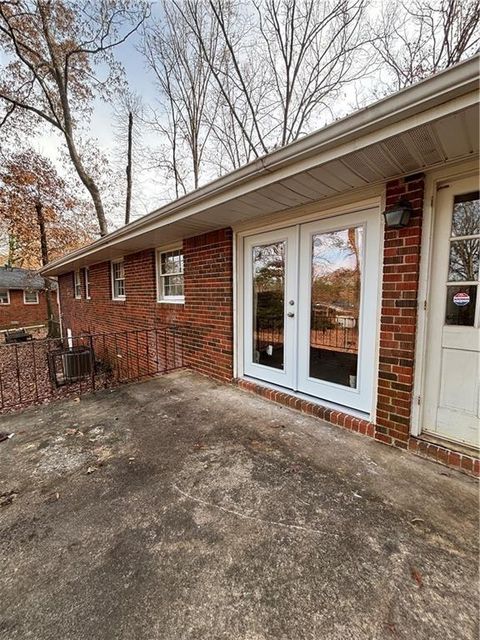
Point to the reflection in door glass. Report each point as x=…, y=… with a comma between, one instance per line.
x=466, y=215
x=335, y=305
x=268, y=304
x=464, y=261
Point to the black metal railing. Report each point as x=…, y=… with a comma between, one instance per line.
x=328, y=335
x=51, y=368
x=336, y=338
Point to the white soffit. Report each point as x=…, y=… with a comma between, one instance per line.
x=446, y=133
x=448, y=139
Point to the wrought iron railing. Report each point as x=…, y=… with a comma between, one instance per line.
x=331, y=335
x=46, y=369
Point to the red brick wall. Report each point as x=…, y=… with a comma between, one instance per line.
x=206, y=318
x=209, y=303
x=19, y=314
x=401, y=261
x=100, y=313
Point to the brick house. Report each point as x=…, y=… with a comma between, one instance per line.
x=22, y=298
x=337, y=275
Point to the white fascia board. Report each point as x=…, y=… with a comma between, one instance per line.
x=450, y=91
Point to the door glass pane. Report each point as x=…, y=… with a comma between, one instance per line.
x=466, y=215
x=460, y=307
x=464, y=259
x=269, y=304
x=335, y=305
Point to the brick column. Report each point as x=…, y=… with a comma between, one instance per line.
x=401, y=259
x=208, y=321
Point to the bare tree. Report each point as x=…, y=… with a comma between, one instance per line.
x=416, y=39
x=232, y=148
x=314, y=49
x=128, y=199
x=128, y=122
x=56, y=53
x=287, y=65
x=243, y=110
x=239, y=72
x=239, y=79
x=183, y=77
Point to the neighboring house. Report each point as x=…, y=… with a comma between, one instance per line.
x=22, y=298
x=301, y=227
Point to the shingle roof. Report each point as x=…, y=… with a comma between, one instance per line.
x=15, y=278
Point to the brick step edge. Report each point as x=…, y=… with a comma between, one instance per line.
x=442, y=455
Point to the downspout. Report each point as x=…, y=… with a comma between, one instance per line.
x=53, y=280
x=60, y=315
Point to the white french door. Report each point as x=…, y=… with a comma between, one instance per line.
x=270, y=303
x=452, y=376
x=338, y=293
x=310, y=304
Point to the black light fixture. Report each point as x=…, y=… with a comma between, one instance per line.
x=398, y=216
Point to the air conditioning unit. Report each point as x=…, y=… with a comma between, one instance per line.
x=77, y=363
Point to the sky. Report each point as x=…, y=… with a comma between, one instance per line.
x=150, y=186
x=140, y=81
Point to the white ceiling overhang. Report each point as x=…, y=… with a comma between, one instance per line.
x=425, y=126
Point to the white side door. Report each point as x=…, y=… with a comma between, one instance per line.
x=270, y=285
x=338, y=306
x=452, y=375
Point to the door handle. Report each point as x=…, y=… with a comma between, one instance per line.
x=290, y=314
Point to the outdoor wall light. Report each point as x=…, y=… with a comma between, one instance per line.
x=398, y=216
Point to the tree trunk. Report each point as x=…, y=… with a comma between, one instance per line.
x=44, y=251
x=89, y=184
x=128, y=202
x=12, y=247
x=43, y=235
x=67, y=127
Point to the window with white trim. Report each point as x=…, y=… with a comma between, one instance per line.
x=30, y=297
x=4, y=296
x=77, y=284
x=86, y=277
x=118, y=280
x=170, y=275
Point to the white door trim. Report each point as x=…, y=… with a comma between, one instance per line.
x=313, y=211
x=451, y=404
x=375, y=204
x=372, y=196
x=433, y=180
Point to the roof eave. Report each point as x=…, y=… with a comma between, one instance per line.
x=446, y=86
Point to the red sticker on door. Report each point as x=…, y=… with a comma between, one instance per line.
x=461, y=299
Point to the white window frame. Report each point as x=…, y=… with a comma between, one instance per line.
x=161, y=296
x=86, y=275
x=25, y=301
x=77, y=285
x=8, y=298
x=114, y=279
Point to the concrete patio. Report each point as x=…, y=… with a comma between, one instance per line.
x=181, y=508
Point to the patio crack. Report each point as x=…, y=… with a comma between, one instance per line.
x=239, y=514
